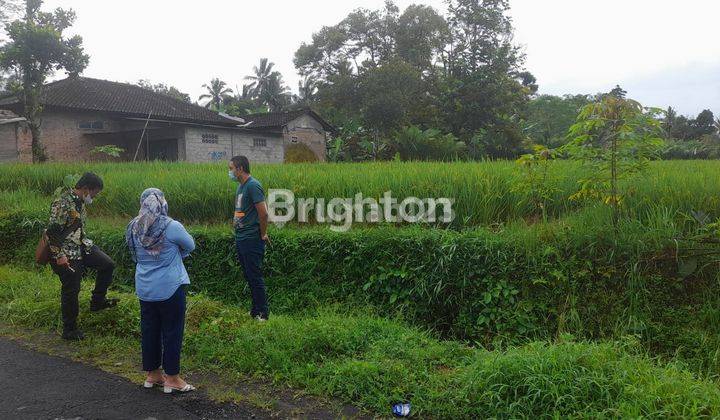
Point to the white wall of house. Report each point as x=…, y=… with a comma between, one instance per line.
x=258, y=147
x=207, y=144
x=217, y=144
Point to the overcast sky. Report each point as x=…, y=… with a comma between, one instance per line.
x=663, y=52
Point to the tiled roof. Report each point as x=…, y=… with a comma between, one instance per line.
x=7, y=117
x=87, y=94
x=280, y=119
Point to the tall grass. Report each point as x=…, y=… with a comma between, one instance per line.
x=203, y=192
x=483, y=191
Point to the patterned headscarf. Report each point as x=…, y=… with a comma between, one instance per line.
x=148, y=228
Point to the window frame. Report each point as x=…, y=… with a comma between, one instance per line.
x=91, y=125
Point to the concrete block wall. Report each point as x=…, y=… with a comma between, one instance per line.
x=272, y=152
x=308, y=131
x=206, y=144
x=11, y=135
x=217, y=144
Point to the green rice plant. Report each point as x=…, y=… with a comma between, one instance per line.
x=484, y=192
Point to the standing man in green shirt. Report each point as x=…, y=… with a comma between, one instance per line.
x=250, y=222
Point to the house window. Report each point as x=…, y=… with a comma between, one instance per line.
x=259, y=142
x=91, y=125
x=210, y=138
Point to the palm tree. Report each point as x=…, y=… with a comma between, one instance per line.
x=262, y=75
x=217, y=91
x=243, y=102
x=306, y=91
x=275, y=95
x=247, y=92
x=669, y=123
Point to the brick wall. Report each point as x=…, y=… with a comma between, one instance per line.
x=308, y=131
x=62, y=137
x=65, y=141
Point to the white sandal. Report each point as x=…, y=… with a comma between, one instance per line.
x=149, y=384
x=169, y=389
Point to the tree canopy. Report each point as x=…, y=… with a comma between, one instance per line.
x=458, y=72
x=36, y=48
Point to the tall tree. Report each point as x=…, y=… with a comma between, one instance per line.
x=421, y=35
x=669, y=121
x=482, y=90
x=243, y=102
x=386, y=69
x=275, y=94
x=307, y=88
x=549, y=118
x=261, y=75
x=703, y=124
x=217, y=91
x=36, y=48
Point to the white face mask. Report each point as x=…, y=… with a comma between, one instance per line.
x=88, y=200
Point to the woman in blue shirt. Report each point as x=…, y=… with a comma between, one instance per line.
x=158, y=245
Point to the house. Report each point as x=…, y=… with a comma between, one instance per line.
x=13, y=132
x=81, y=113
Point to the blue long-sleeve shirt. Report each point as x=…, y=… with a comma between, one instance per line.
x=157, y=278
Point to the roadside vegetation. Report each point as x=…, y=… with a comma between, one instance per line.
x=373, y=362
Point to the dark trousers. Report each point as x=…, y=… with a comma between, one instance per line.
x=250, y=256
x=162, y=325
x=70, y=280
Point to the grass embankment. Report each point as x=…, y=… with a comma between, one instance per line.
x=374, y=362
x=484, y=192
x=496, y=287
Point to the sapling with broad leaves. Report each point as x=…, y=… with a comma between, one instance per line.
x=615, y=138
x=534, y=185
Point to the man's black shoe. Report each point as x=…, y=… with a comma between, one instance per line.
x=74, y=335
x=99, y=305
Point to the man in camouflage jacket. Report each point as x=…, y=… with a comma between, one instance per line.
x=72, y=252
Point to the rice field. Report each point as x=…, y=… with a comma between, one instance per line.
x=483, y=192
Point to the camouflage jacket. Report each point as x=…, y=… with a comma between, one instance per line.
x=67, y=209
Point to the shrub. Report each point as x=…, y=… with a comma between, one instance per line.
x=298, y=152
x=413, y=143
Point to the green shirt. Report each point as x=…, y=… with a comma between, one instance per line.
x=245, y=220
